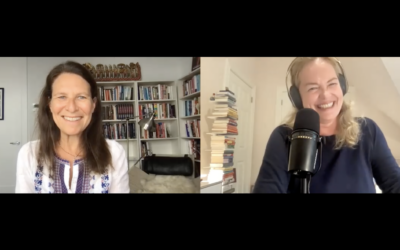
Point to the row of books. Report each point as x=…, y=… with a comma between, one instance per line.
x=223, y=140
x=192, y=107
x=156, y=92
x=191, y=86
x=194, y=148
x=117, y=93
x=160, y=110
x=161, y=132
x=115, y=131
x=192, y=128
x=117, y=111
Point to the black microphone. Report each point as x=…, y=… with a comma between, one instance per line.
x=304, y=143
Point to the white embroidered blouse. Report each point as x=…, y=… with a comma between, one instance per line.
x=32, y=178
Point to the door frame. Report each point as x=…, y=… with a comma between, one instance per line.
x=228, y=70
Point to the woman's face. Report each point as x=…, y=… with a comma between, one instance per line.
x=71, y=104
x=320, y=89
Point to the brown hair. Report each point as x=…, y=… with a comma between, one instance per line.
x=98, y=156
x=348, y=133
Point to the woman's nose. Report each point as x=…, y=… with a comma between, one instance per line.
x=71, y=105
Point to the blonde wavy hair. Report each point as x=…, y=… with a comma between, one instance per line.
x=348, y=133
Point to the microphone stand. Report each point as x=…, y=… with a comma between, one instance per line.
x=305, y=177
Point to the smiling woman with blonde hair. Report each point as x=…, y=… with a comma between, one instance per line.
x=355, y=153
x=71, y=155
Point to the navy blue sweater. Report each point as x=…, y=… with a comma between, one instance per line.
x=342, y=171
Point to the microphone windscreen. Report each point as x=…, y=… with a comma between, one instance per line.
x=307, y=119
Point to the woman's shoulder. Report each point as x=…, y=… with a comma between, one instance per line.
x=366, y=122
x=281, y=131
x=113, y=145
x=369, y=128
x=29, y=149
x=30, y=145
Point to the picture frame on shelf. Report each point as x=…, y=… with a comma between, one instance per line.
x=1, y=103
x=195, y=63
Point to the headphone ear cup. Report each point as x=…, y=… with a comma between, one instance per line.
x=295, y=94
x=342, y=81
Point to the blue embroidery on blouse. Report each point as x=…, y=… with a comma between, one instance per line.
x=105, y=183
x=38, y=179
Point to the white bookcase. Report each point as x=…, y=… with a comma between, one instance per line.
x=177, y=141
x=186, y=117
x=159, y=146
x=170, y=144
x=133, y=143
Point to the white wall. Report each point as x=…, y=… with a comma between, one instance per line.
x=271, y=73
x=152, y=69
x=212, y=80
x=376, y=96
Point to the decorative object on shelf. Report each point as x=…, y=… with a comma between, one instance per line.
x=195, y=63
x=1, y=103
x=222, y=139
x=119, y=72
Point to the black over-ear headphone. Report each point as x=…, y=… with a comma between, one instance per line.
x=294, y=94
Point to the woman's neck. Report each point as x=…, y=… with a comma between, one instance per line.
x=71, y=145
x=328, y=128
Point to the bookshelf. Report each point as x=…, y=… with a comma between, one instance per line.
x=114, y=108
x=159, y=97
x=189, y=115
x=170, y=104
x=142, y=97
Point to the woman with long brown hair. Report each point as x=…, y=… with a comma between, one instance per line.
x=71, y=155
x=355, y=153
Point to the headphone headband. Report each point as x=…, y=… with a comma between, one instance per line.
x=342, y=80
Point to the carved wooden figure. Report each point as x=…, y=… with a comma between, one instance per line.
x=99, y=68
x=111, y=72
x=121, y=67
x=115, y=69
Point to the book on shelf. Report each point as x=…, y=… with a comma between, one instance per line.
x=191, y=86
x=194, y=148
x=192, y=107
x=119, y=131
x=223, y=140
x=144, y=148
x=161, y=132
x=192, y=128
x=156, y=92
x=117, y=93
x=117, y=111
x=160, y=110
x=195, y=63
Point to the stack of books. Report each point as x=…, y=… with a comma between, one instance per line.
x=223, y=139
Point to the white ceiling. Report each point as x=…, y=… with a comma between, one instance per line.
x=392, y=65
